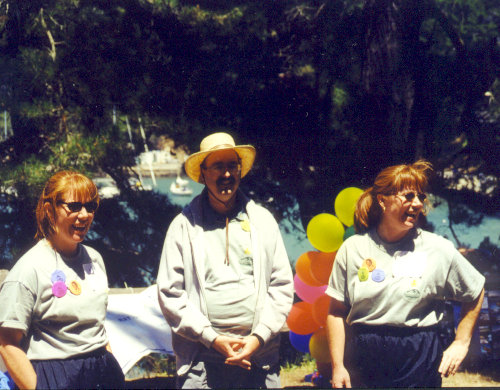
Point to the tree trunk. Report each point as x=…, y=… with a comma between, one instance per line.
x=389, y=78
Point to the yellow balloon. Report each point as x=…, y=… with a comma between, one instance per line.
x=318, y=346
x=325, y=232
x=345, y=204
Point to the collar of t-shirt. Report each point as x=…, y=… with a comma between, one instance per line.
x=214, y=220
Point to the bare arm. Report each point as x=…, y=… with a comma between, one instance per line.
x=16, y=360
x=456, y=352
x=335, y=324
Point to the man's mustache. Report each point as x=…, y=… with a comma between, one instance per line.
x=225, y=181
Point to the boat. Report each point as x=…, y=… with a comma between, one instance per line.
x=106, y=187
x=180, y=187
x=182, y=182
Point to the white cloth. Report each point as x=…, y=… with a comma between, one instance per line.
x=136, y=327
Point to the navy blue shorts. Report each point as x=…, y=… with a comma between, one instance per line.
x=95, y=370
x=385, y=356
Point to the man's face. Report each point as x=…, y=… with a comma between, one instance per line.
x=222, y=174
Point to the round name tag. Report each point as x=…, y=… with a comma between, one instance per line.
x=59, y=289
x=363, y=274
x=75, y=287
x=58, y=276
x=370, y=264
x=378, y=275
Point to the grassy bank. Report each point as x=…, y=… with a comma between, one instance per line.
x=486, y=376
x=292, y=376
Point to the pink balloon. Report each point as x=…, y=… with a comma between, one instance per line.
x=308, y=293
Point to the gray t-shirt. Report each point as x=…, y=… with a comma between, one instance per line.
x=229, y=288
x=403, y=283
x=56, y=327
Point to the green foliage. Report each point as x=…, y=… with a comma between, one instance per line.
x=290, y=77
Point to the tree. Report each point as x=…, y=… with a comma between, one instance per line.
x=329, y=92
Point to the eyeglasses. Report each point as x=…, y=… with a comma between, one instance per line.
x=220, y=168
x=74, y=207
x=409, y=196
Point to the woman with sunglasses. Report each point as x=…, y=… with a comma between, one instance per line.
x=388, y=288
x=54, y=299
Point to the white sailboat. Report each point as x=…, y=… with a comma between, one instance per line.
x=180, y=187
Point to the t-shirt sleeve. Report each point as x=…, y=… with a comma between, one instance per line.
x=337, y=287
x=17, y=305
x=464, y=283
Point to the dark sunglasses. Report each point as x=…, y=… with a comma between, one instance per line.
x=77, y=206
x=411, y=195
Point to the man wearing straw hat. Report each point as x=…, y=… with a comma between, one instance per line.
x=225, y=284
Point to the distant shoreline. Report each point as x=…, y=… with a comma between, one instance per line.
x=159, y=169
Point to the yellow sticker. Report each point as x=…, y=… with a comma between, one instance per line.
x=247, y=251
x=245, y=225
x=363, y=274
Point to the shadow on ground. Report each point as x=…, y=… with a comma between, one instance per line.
x=152, y=383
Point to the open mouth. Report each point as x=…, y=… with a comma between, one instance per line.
x=79, y=228
x=412, y=215
x=226, y=186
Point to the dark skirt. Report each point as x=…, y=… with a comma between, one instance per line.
x=95, y=370
x=385, y=356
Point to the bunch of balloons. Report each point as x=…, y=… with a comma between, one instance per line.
x=326, y=232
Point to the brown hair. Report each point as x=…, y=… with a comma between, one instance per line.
x=57, y=186
x=389, y=181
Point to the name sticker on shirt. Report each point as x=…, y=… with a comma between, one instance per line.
x=95, y=280
x=409, y=264
x=88, y=268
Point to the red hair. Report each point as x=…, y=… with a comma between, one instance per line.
x=389, y=181
x=59, y=185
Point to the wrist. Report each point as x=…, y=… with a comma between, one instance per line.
x=259, y=339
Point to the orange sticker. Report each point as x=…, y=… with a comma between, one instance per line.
x=370, y=264
x=75, y=287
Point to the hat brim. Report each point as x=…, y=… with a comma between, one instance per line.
x=193, y=162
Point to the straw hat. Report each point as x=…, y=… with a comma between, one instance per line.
x=212, y=143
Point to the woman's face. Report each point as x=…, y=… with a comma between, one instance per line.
x=401, y=211
x=73, y=218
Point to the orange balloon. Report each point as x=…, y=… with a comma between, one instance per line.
x=300, y=319
x=303, y=269
x=321, y=265
x=318, y=346
x=320, y=309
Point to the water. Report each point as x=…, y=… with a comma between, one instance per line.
x=296, y=241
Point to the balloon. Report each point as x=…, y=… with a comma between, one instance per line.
x=321, y=265
x=300, y=319
x=345, y=203
x=318, y=346
x=349, y=232
x=303, y=270
x=320, y=309
x=325, y=232
x=307, y=293
x=300, y=342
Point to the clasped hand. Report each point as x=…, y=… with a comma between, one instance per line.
x=237, y=350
